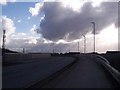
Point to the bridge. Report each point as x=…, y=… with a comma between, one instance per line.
x=76, y=71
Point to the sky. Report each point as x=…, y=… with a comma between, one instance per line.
x=58, y=25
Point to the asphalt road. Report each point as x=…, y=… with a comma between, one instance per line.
x=23, y=75
x=86, y=73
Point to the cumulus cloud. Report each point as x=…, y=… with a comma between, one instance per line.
x=32, y=44
x=33, y=29
x=42, y=18
x=19, y=21
x=8, y=25
x=37, y=45
x=28, y=18
x=19, y=35
x=32, y=41
x=4, y=2
x=35, y=11
x=64, y=23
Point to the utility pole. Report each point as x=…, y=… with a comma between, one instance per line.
x=69, y=49
x=3, y=46
x=94, y=34
x=84, y=43
x=23, y=50
x=4, y=36
x=78, y=47
x=53, y=49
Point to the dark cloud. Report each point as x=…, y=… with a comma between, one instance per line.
x=65, y=23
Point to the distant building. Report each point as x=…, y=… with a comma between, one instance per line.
x=74, y=52
x=112, y=52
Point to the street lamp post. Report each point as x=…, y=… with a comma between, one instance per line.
x=93, y=34
x=4, y=36
x=84, y=43
x=3, y=46
x=78, y=47
x=23, y=50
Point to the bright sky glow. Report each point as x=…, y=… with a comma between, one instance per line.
x=110, y=34
x=19, y=21
x=74, y=4
x=96, y=3
x=32, y=41
x=106, y=40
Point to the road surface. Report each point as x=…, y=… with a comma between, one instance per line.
x=85, y=73
x=23, y=75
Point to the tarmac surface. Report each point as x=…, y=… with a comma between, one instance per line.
x=20, y=76
x=85, y=73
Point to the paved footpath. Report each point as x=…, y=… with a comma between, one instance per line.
x=86, y=73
